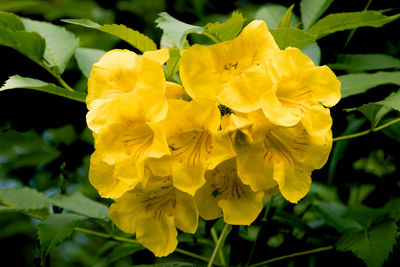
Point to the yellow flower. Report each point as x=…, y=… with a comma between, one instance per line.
x=282, y=155
x=153, y=212
x=299, y=86
x=195, y=142
x=232, y=72
x=224, y=190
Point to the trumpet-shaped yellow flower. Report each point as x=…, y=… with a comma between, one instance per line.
x=195, y=142
x=153, y=212
x=299, y=86
x=282, y=155
x=225, y=191
x=232, y=72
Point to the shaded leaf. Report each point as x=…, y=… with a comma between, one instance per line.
x=314, y=52
x=60, y=43
x=25, y=199
x=78, y=203
x=392, y=131
x=121, y=251
x=173, y=62
x=350, y=20
x=270, y=13
x=65, y=134
x=373, y=246
x=365, y=62
x=225, y=31
x=353, y=84
x=10, y=22
x=293, y=37
x=311, y=10
x=16, y=81
x=55, y=229
x=176, y=30
x=376, y=164
x=138, y=40
x=86, y=57
x=285, y=21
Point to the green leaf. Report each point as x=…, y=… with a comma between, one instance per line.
x=65, y=134
x=373, y=246
x=121, y=251
x=78, y=203
x=10, y=22
x=26, y=200
x=293, y=37
x=176, y=30
x=226, y=31
x=353, y=84
x=332, y=213
x=365, y=62
x=173, y=62
x=132, y=37
x=285, y=21
x=55, y=229
x=392, y=101
x=17, y=81
x=339, y=147
x=271, y=14
x=60, y=43
x=376, y=164
x=86, y=57
x=168, y=264
x=311, y=10
x=392, y=131
x=314, y=52
x=351, y=20
x=29, y=44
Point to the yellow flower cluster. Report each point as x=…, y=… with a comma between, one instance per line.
x=250, y=121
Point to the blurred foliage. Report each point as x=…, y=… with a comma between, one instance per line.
x=45, y=146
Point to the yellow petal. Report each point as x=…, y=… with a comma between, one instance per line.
x=174, y=90
x=161, y=56
x=186, y=215
x=188, y=178
x=222, y=149
x=207, y=202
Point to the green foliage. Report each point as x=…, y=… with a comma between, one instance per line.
x=86, y=57
x=358, y=83
x=80, y=204
x=285, y=21
x=55, y=229
x=311, y=10
x=175, y=29
x=12, y=34
x=138, y=40
x=16, y=81
x=346, y=21
x=286, y=37
x=270, y=13
x=365, y=62
x=314, y=52
x=376, y=164
x=60, y=43
x=119, y=251
x=226, y=31
x=372, y=245
x=25, y=200
x=173, y=62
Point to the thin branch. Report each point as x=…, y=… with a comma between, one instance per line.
x=220, y=242
x=293, y=255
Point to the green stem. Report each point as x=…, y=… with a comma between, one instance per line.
x=293, y=255
x=351, y=136
x=190, y=254
x=220, y=252
x=220, y=242
x=57, y=76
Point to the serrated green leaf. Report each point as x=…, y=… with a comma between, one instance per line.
x=16, y=82
x=55, y=229
x=314, y=52
x=60, y=43
x=26, y=200
x=357, y=83
x=80, y=204
x=285, y=20
x=373, y=246
x=10, y=22
x=86, y=57
x=226, y=31
x=332, y=213
x=173, y=62
x=176, y=30
x=351, y=20
x=132, y=37
x=311, y=10
x=365, y=62
x=29, y=44
x=293, y=37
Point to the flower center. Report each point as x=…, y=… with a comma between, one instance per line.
x=227, y=184
x=138, y=139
